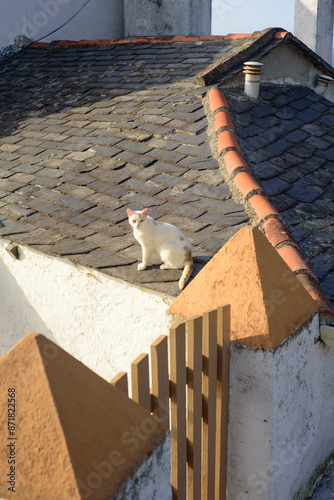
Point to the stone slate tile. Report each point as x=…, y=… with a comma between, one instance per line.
x=112, y=244
x=184, y=224
x=301, y=104
x=171, y=181
x=65, y=229
x=203, y=151
x=328, y=285
x=148, y=188
x=186, y=210
x=304, y=150
x=187, y=139
x=328, y=154
x=104, y=213
x=303, y=191
x=143, y=173
x=72, y=246
x=165, y=156
x=106, y=188
x=296, y=136
x=275, y=186
x=267, y=170
x=113, y=176
x=141, y=160
x=11, y=226
x=138, y=201
x=199, y=163
x=40, y=220
x=104, y=201
x=309, y=115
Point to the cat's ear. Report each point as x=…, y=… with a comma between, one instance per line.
x=145, y=211
x=129, y=212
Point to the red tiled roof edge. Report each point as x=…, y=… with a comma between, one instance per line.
x=154, y=40
x=268, y=218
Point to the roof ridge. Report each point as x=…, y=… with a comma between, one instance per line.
x=269, y=219
x=142, y=39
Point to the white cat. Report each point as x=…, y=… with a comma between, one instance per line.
x=163, y=239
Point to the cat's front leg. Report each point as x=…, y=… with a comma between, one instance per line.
x=146, y=255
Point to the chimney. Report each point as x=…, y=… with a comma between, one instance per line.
x=314, y=26
x=252, y=70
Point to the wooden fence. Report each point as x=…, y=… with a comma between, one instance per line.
x=189, y=392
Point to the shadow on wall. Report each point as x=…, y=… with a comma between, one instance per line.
x=18, y=316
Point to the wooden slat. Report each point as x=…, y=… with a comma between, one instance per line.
x=160, y=379
x=178, y=409
x=209, y=403
x=121, y=382
x=223, y=340
x=141, y=381
x=194, y=415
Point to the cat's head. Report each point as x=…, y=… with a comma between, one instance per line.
x=137, y=219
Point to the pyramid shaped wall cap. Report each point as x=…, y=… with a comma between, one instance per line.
x=75, y=432
x=268, y=302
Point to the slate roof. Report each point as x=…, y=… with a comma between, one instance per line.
x=87, y=132
x=91, y=128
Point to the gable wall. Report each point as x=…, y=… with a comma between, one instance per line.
x=285, y=66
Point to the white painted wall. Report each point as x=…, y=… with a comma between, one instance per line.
x=152, y=479
x=281, y=412
x=314, y=25
x=167, y=18
x=34, y=19
x=104, y=322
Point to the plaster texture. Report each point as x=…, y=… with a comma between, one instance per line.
x=284, y=65
x=151, y=480
x=281, y=407
x=314, y=25
x=77, y=435
x=167, y=17
x=104, y=322
x=36, y=18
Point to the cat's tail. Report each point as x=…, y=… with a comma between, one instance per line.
x=187, y=270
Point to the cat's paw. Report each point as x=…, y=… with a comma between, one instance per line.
x=141, y=267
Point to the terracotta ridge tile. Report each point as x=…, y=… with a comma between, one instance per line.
x=235, y=36
x=233, y=160
x=282, y=34
x=268, y=218
x=217, y=100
